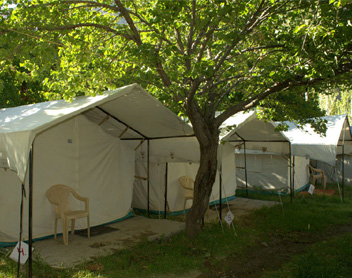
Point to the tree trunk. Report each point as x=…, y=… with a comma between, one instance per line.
x=203, y=183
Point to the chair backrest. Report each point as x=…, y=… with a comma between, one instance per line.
x=59, y=195
x=186, y=182
x=314, y=171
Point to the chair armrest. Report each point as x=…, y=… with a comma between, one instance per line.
x=83, y=199
x=319, y=171
x=316, y=170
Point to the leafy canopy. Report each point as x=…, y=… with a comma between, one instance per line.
x=218, y=55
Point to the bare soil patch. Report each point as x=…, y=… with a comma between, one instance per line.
x=270, y=255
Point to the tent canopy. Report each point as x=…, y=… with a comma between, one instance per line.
x=130, y=110
x=256, y=133
x=306, y=142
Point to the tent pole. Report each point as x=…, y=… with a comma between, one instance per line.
x=343, y=171
x=220, y=195
x=245, y=167
x=165, y=196
x=148, y=176
x=293, y=177
x=290, y=161
x=30, y=212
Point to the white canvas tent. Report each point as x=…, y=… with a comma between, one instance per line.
x=306, y=142
x=88, y=144
x=264, y=158
x=331, y=152
x=171, y=159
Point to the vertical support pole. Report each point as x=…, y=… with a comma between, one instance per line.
x=343, y=172
x=148, y=176
x=245, y=168
x=165, y=195
x=23, y=193
x=290, y=161
x=293, y=176
x=30, y=213
x=220, y=195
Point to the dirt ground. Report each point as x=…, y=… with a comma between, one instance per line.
x=266, y=256
x=127, y=233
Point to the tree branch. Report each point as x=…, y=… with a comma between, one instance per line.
x=35, y=37
x=79, y=25
x=89, y=3
x=279, y=87
x=192, y=25
x=179, y=41
x=125, y=13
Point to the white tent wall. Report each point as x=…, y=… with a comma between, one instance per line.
x=183, y=161
x=338, y=137
x=270, y=172
x=282, y=148
x=10, y=206
x=77, y=153
x=301, y=178
x=175, y=195
x=334, y=173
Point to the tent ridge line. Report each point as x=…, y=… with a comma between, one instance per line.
x=116, y=119
x=158, y=138
x=259, y=141
x=239, y=136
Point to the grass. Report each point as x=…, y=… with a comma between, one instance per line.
x=331, y=258
x=304, y=216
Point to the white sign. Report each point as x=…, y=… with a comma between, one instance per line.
x=311, y=189
x=229, y=218
x=23, y=252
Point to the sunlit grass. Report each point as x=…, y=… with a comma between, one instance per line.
x=179, y=255
x=331, y=258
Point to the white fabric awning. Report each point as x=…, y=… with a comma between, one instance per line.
x=307, y=143
x=257, y=134
x=130, y=106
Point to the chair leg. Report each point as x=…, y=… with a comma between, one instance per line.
x=323, y=180
x=313, y=180
x=65, y=231
x=88, y=227
x=73, y=224
x=184, y=207
x=55, y=229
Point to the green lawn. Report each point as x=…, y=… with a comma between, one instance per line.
x=217, y=251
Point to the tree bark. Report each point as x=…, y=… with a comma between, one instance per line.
x=203, y=183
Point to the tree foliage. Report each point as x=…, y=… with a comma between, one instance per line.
x=336, y=102
x=196, y=56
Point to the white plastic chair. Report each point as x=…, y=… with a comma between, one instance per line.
x=317, y=174
x=59, y=195
x=187, y=183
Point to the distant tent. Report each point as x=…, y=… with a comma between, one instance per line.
x=171, y=159
x=332, y=152
x=88, y=144
x=306, y=142
x=264, y=146
x=264, y=158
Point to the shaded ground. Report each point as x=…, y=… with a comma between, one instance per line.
x=125, y=234
x=122, y=235
x=270, y=255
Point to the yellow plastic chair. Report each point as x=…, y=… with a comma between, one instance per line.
x=317, y=174
x=59, y=195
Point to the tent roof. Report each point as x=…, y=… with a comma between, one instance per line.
x=306, y=142
x=247, y=127
x=128, y=106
